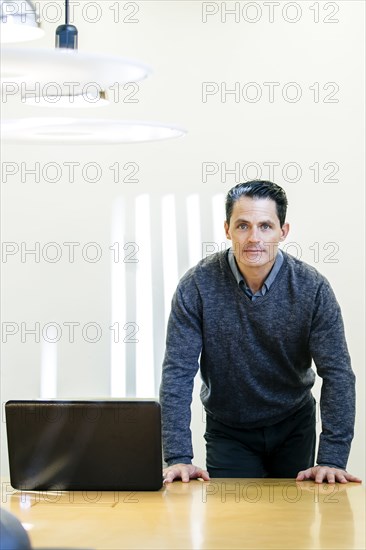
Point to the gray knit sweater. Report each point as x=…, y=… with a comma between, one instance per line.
x=255, y=356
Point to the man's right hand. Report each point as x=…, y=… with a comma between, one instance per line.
x=185, y=472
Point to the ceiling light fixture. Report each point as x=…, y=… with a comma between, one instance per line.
x=65, y=77
x=67, y=35
x=90, y=97
x=29, y=66
x=19, y=21
x=64, y=131
x=44, y=77
x=67, y=38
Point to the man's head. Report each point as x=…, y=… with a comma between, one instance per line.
x=258, y=189
x=255, y=223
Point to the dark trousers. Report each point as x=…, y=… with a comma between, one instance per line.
x=281, y=450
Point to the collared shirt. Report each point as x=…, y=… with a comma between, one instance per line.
x=267, y=283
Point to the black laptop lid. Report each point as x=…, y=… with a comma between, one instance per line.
x=84, y=445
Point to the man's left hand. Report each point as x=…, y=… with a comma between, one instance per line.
x=321, y=474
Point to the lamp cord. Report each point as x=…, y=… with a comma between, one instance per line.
x=66, y=12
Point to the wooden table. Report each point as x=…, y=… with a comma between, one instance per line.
x=221, y=514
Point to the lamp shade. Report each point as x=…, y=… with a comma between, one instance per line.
x=48, y=66
x=64, y=131
x=18, y=21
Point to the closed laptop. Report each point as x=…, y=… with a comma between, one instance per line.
x=84, y=445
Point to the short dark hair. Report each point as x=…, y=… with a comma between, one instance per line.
x=258, y=189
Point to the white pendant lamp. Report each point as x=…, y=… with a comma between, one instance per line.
x=74, y=131
x=32, y=65
x=18, y=21
x=63, y=77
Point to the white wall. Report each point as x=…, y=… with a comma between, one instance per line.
x=322, y=129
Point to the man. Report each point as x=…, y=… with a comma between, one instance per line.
x=255, y=317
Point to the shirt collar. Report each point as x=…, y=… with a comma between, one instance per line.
x=270, y=277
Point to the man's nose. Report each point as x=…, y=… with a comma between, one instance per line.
x=254, y=235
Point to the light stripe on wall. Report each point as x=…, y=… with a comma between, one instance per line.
x=118, y=302
x=194, y=229
x=145, y=386
x=170, y=253
x=218, y=218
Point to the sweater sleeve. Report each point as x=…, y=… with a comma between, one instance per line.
x=328, y=348
x=183, y=347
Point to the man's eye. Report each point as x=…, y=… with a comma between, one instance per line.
x=243, y=226
x=266, y=226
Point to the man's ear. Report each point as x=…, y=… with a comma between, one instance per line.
x=285, y=230
x=227, y=232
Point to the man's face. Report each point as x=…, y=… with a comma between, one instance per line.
x=255, y=232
